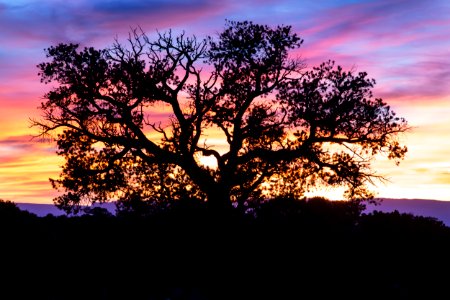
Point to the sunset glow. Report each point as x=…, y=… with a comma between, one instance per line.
x=403, y=44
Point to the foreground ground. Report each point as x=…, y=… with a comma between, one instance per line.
x=284, y=250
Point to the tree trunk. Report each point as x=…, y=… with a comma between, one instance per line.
x=219, y=202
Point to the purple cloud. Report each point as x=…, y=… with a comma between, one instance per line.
x=403, y=44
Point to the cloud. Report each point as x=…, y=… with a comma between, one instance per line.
x=46, y=22
x=23, y=151
x=25, y=166
x=137, y=7
x=403, y=44
x=426, y=77
x=16, y=140
x=442, y=178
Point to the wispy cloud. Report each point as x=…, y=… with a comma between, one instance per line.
x=25, y=166
x=404, y=44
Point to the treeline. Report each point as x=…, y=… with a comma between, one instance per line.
x=281, y=249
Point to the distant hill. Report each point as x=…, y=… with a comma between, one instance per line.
x=42, y=210
x=419, y=207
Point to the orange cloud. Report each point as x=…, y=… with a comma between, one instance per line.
x=25, y=167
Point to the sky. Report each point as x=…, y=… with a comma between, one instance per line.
x=403, y=44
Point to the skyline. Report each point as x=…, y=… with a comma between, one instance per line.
x=404, y=45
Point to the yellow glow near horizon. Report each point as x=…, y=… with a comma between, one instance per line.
x=26, y=179
x=26, y=165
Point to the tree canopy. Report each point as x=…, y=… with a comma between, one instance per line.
x=135, y=122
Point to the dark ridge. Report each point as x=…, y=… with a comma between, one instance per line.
x=419, y=207
x=42, y=210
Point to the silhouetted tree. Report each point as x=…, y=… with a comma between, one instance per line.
x=10, y=211
x=98, y=212
x=8, y=208
x=133, y=122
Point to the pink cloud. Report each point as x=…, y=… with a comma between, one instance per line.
x=406, y=51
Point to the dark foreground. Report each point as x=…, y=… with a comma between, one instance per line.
x=291, y=250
